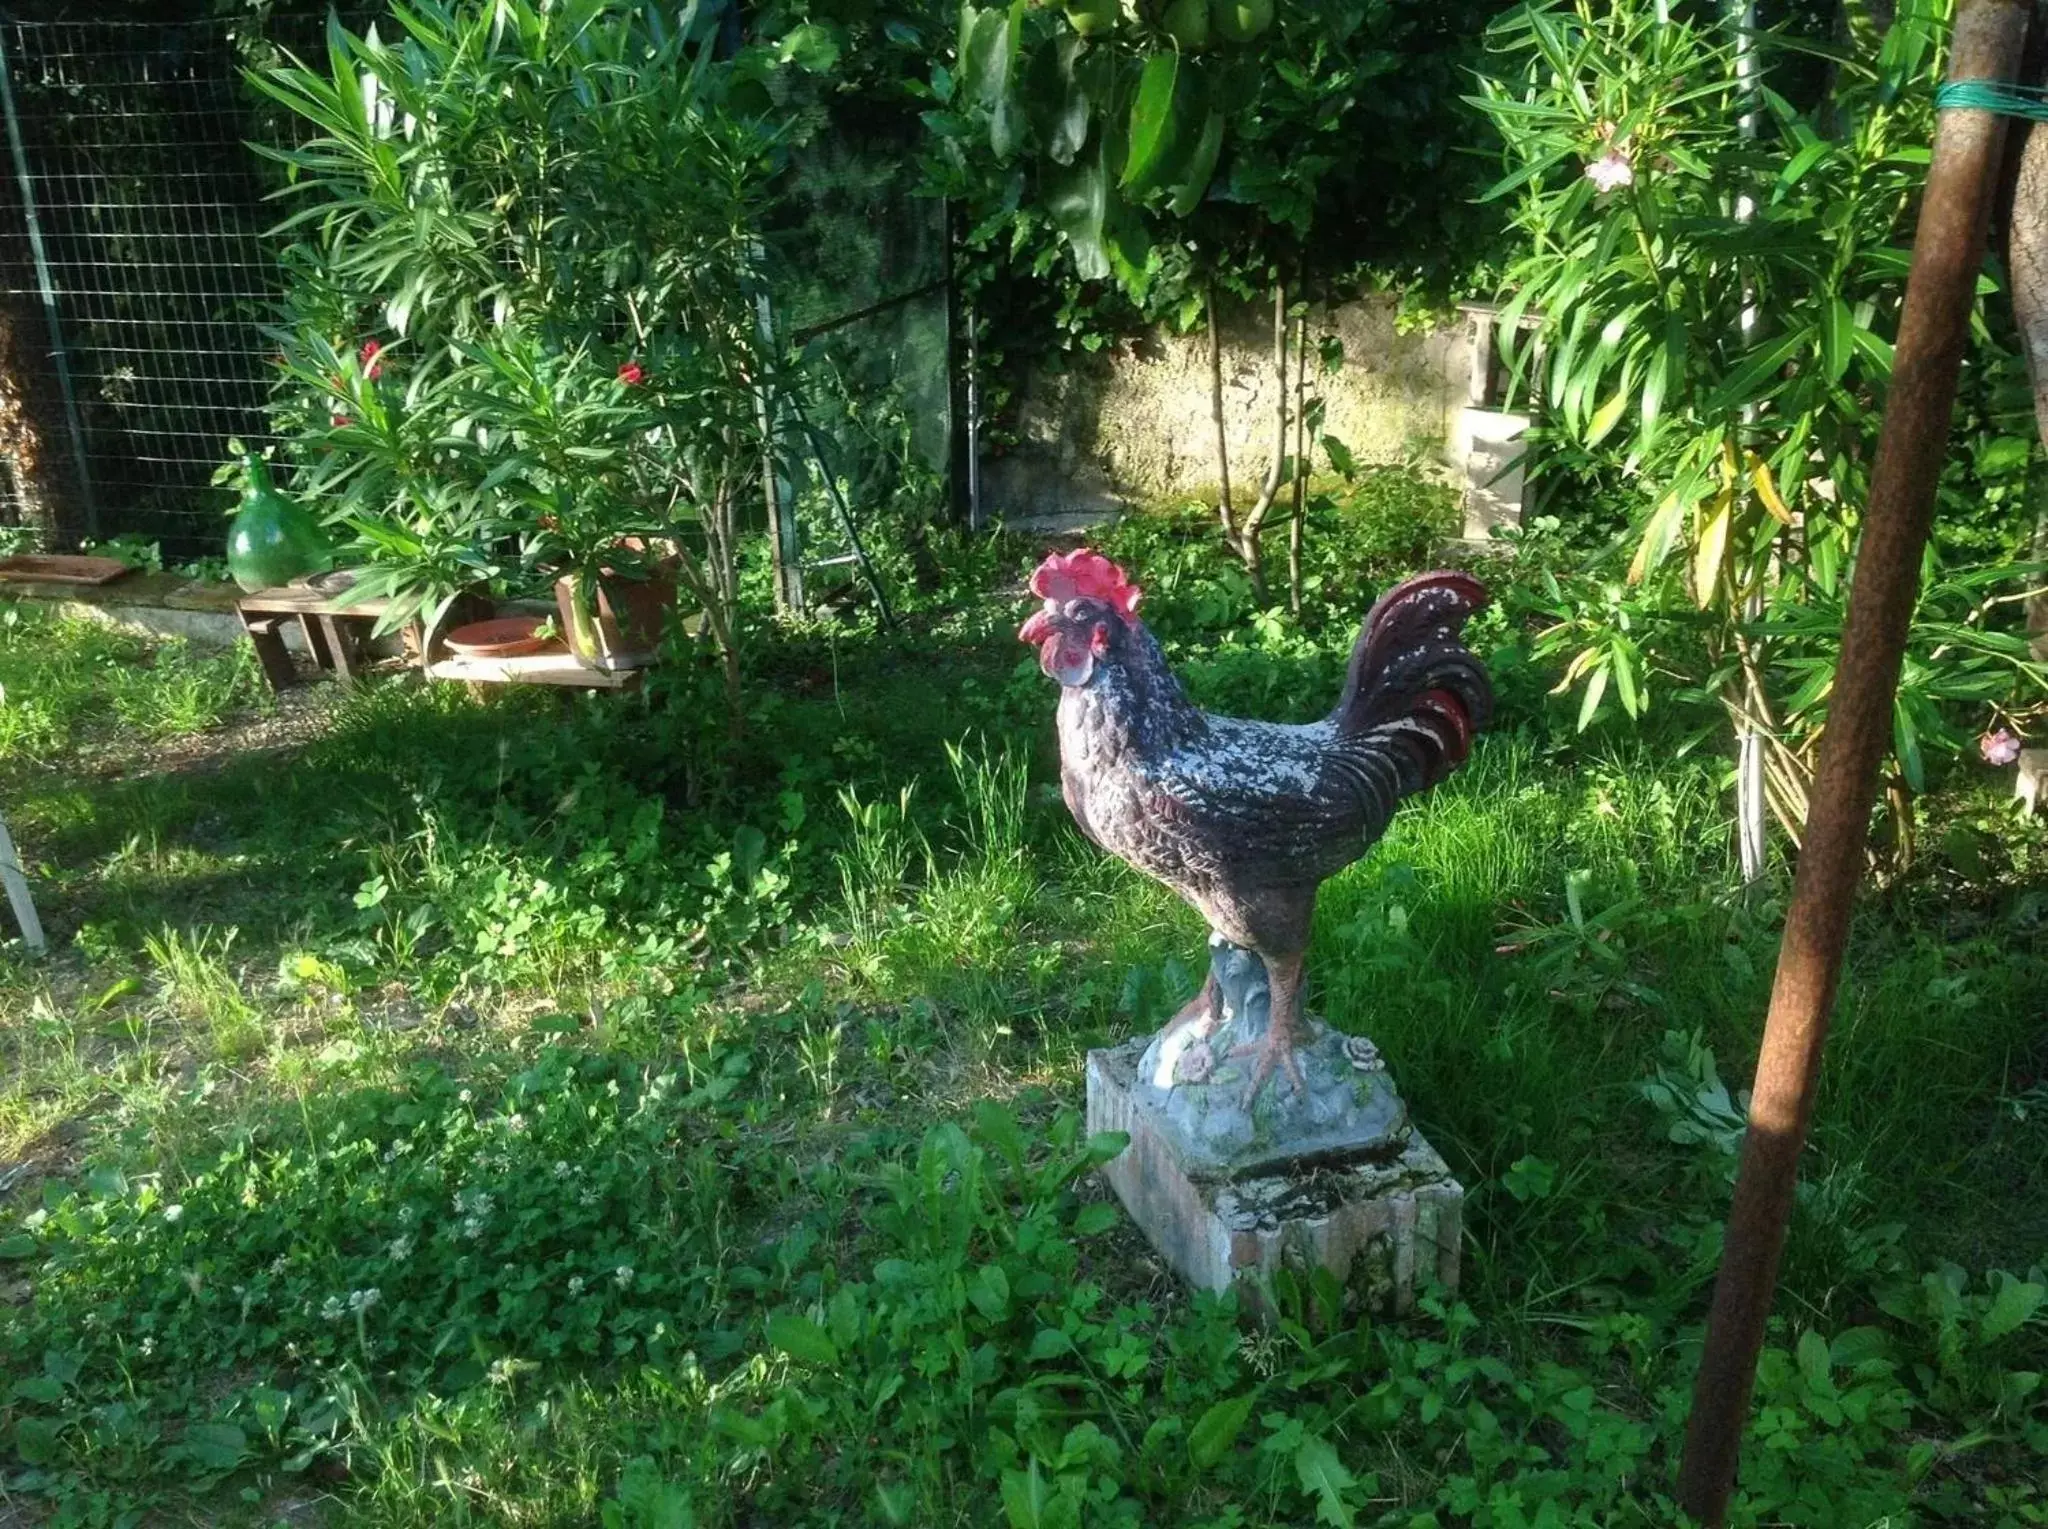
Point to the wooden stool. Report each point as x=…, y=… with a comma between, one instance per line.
x=327, y=625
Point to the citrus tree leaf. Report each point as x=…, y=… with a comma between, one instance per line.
x=1152, y=120
x=1077, y=203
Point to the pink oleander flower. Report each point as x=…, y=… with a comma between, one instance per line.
x=337, y=419
x=1611, y=171
x=367, y=359
x=2000, y=747
x=632, y=373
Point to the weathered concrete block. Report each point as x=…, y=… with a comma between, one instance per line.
x=1384, y=1224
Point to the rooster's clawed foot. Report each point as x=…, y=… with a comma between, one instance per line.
x=1276, y=1050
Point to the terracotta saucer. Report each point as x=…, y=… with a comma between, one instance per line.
x=506, y=637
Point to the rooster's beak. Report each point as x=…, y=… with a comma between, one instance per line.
x=1037, y=629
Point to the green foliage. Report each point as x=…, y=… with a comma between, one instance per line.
x=1718, y=276
x=1166, y=141
x=64, y=679
x=520, y=330
x=293, y=1107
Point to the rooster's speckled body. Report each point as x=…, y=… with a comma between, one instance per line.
x=1247, y=819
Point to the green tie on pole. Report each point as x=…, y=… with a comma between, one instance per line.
x=2000, y=96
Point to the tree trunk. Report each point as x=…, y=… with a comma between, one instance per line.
x=1223, y=505
x=1255, y=521
x=1294, y=526
x=32, y=428
x=2027, y=259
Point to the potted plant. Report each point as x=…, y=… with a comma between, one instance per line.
x=563, y=399
x=612, y=614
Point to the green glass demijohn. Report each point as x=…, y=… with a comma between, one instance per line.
x=272, y=540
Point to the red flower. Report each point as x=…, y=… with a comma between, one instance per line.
x=632, y=373
x=337, y=420
x=367, y=358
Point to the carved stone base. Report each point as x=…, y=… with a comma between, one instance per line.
x=1385, y=1222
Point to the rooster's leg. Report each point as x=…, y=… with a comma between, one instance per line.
x=1283, y=1029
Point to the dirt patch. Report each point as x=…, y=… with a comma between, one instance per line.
x=298, y=714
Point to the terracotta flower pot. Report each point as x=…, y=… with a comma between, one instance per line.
x=619, y=625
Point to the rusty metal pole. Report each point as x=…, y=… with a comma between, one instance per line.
x=1948, y=252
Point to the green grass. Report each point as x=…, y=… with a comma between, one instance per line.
x=360, y=1076
x=64, y=680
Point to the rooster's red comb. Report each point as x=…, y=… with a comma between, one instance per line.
x=1086, y=574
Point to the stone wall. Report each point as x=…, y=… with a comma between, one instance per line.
x=1135, y=427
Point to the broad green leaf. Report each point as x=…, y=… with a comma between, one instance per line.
x=997, y=1126
x=1066, y=103
x=812, y=47
x=1029, y=1502
x=1815, y=1362
x=966, y=47
x=990, y=1292
x=1076, y=203
x=1049, y=1343
x=1216, y=1430
x=1152, y=119
x=18, y=1245
x=1093, y=1220
x=2014, y=1305
x=993, y=81
x=1200, y=167
x=1323, y=1476
x=1106, y=1146
x=35, y=1440
x=216, y=1446
x=802, y=1339
x=1858, y=1345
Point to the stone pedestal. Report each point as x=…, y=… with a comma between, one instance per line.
x=1321, y=1169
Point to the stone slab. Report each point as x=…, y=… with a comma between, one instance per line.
x=1385, y=1226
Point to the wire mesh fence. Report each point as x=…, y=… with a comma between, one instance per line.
x=140, y=259
x=860, y=283
x=130, y=171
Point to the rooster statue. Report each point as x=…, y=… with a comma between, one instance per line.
x=1243, y=819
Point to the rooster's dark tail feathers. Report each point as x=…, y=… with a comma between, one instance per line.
x=1410, y=665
